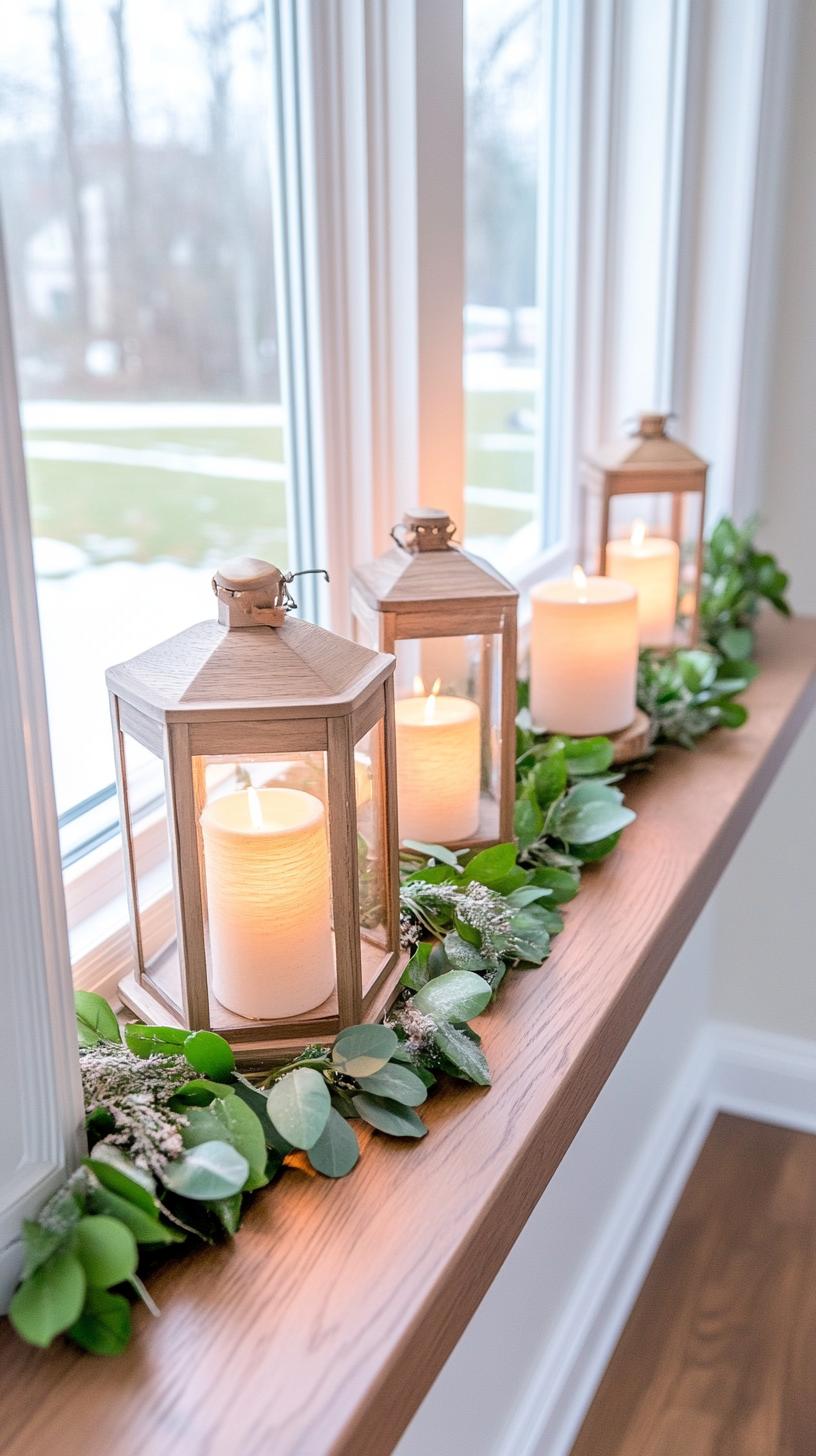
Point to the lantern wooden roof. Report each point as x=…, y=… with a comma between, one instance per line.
x=217, y=671
x=650, y=459
x=441, y=575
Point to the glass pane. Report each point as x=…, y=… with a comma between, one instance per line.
x=371, y=861
x=137, y=206
x=448, y=738
x=152, y=866
x=653, y=544
x=270, y=943
x=503, y=104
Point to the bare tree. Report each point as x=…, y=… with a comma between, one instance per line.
x=68, y=153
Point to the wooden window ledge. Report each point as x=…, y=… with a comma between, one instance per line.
x=321, y=1328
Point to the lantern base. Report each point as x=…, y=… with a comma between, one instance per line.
x=489, y=830
x=261, y=1044
x=632, y=742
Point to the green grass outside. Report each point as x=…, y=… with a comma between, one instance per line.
x=139, y=513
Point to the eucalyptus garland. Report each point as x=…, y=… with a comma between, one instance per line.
x=178, y=1137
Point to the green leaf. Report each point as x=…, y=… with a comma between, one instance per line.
x=104, y=1327
x=145, y=1227
x=697, y=669
x=464, y=1058
x=50, y=1301
x=227, y=1211
x=528, y=822
x=299, y=1104
x=736, y=643
x=456, y=996
x=95, y=1020
x=528, y=895
x=106, y=1249
x=463, y=954
x=593, y=853
x=150, y=1041
x=362, y=1050
x=116, y=1172
x=491, y=864
x=588, y=756
x=39, y=1243
x=583, y=818
x=397, y=1082
x=732, y=715
x=336, y=1150
x=210, y=1054
x=211, y=1170
x=416, y=972
x=562, y=884
x=388, y=1116
x=255, y=1099
x=433, y=851
x=202, y=1126
x=243, y=1130
x=549, y=778
x=199, y=1092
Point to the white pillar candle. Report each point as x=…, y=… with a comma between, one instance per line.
x=584, y=654
x=266, y=864
x=438, y=767
x=651, y=564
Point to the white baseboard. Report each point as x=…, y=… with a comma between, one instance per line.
x=729, y=1068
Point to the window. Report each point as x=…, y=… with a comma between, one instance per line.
x=137, y=200
x=503, y=126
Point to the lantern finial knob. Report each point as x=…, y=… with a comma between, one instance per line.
x=254, y=593
x=424, y=528
x=651, y=426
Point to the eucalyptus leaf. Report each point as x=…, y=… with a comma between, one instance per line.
x=463, y=1056
x=362, y=1050
x=397, y=1082
x=243, y=1130
x=456, y=996
x=39, y=1243
x=588, y=756
x=462, y=954
x=115, y=1171
x=227, y=1211
x=50, y=1300
x=209, y=1054
x=563, y=885
x=490, y=864
x=198, y=1092
x=145, y=1227
x=388, y=1116
x=549, y=779
x=106, y=1249
x=255, y=1099
x=299, y=1104
x=211, y=1170
x=95, y=1020
x=583, y=820
x=528, y=822
x=433, y=851
x=416, y=972
x=336, y=1150
x=151, y=1041
x=104, y=1326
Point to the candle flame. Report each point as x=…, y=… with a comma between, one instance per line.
x=430, y=702
x=419, y=687
x=255, y=809
x=580, y=582
x=435, y=689
x=638, y=533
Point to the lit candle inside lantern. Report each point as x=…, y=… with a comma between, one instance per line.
x=266, y=865
x=438, y=766
x=651, y=564
x=584, y=654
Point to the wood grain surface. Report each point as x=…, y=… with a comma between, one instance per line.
x=717, y=1356
x=321, y=1327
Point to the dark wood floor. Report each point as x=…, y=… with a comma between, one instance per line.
x=718, y=1357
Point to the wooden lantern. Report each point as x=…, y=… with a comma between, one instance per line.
x=276, y=740
x=450, y=618
x=663, y=484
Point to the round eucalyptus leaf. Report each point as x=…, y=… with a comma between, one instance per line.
x=241, y=1128
x=150, y=1041
x=336, y=1150
x=211, y=1170
x=299, y=1106
x=116, y=1172
x=106, y=1249
x=95, y=1020
x=50, y=1301
x=104, y=1326
x=145, y=1227
x=397, y=1082
x=388, y=1116
x=362, y=1050
x=456, y=996
x=210, y=1054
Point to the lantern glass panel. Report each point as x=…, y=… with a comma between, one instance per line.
x=449, y=737
x=675, y=515
x=266, y=883
x=376, y=935
x=148, y=831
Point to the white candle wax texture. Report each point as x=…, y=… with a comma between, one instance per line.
x=438, y=763
x=266, y=864
x=652, y=567
x=583, y=658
